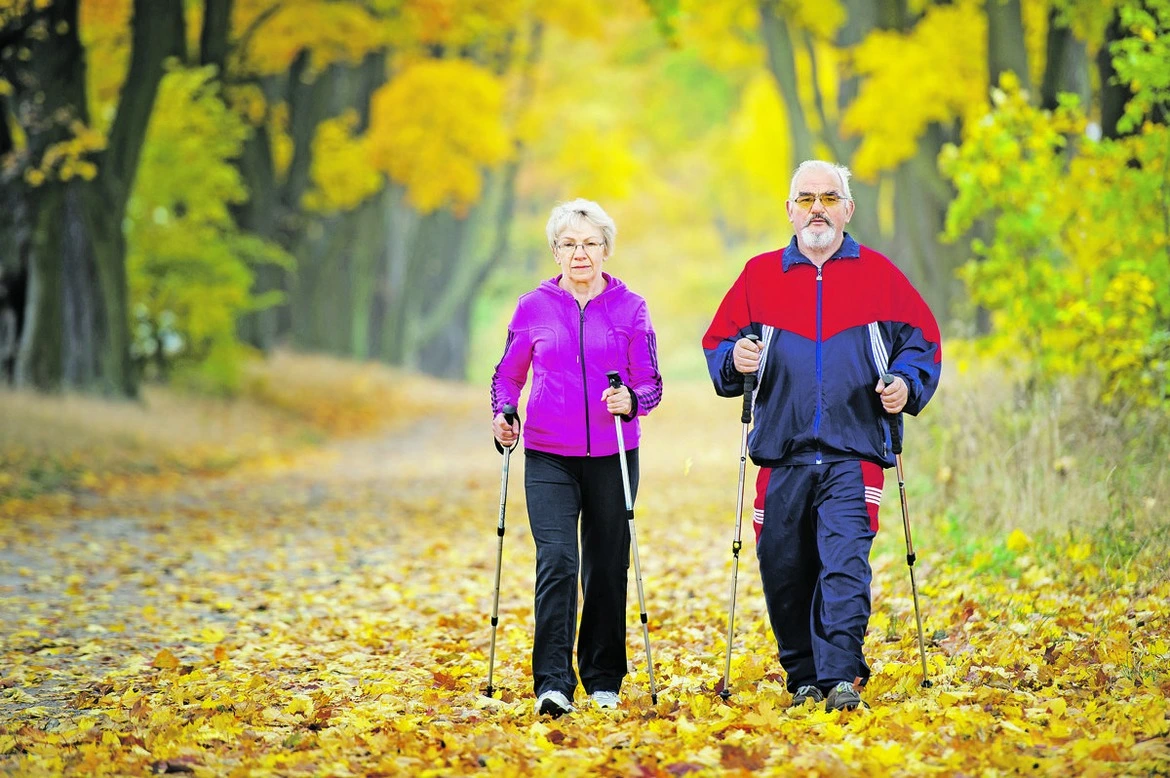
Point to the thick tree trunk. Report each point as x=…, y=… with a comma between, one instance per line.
x=921, y=200
x=274, y=211
x=1066, y=66
x=213, y=37
x=15, y=248
x=77, y=322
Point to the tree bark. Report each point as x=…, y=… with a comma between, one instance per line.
x=77, y=321
x=214, y=44
x=782, y=64
x=1066, y=67
x=1005, y=42
x=158, y=32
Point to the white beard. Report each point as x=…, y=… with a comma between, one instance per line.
x=818, y=240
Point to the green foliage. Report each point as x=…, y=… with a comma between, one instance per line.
x=1077, y=284
x=1141, y=60
x=665, y=14
x=189, y=267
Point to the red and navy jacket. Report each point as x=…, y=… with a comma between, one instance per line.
x=828, y=335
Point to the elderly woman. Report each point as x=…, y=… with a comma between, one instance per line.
x=571, y=330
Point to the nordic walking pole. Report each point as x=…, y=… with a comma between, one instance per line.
x=911, y=557
x=510, y=417
x=749, y=387
x=615, y=381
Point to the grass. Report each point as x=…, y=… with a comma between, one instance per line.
x=988, y=458
x=63, y=444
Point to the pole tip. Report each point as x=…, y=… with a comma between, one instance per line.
x=489, y=691
x=927, y=683
x=725, y=695
x=654, y=699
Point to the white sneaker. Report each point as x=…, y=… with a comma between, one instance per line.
x=553, y=703
x=606, y=699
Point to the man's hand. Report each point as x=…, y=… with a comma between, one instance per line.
x=894, y=395
x=505, y=433
x=617, y=401
x=746, y=355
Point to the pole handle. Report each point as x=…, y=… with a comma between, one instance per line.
x=895, y=421
x=749, y=386
x=510, y=416
x=615, y=379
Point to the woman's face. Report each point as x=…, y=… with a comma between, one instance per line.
x=580, y=250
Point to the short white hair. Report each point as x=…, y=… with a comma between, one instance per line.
x=576, y=212
x=841, y=172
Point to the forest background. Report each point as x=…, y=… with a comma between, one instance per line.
x=196, y=194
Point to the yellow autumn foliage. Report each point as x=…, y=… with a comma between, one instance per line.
x=931, y=74
x=756, y=154
x=341, y=171
x=435, y=127
x=329, y=31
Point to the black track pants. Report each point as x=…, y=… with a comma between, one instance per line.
x=560, y=490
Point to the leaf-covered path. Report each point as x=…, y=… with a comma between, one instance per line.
x=331, y=618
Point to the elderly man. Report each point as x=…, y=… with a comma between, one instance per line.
x=832, y=317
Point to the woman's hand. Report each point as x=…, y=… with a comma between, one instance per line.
x=618, y=401
x=505, y=433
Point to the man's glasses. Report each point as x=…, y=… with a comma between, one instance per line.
x=828, y=199
x=568, y=248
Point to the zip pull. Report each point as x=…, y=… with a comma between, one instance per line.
x=818, y=274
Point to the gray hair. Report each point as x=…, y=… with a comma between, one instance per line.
x=841, y=172
x=575, y=212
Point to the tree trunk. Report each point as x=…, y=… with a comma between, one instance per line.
x=1005, y=42
x=434, y=266
x=402, y=222
x=274, y=210
x=782, y=64
x=213, y=38
x=77, y=322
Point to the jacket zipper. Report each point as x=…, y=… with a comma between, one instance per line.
x=584, y=378
x=820, y=377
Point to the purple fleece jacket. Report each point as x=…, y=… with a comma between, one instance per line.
x=570, y=349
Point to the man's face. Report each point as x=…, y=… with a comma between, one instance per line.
x=819, y=225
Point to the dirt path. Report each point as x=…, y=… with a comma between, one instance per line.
x=330, y=617
x=118, y=574
x=100, y=592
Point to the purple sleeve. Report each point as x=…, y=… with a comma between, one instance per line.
x=512, y=369
x=645, y=380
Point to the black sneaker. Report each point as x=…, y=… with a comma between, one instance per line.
x=843, y=697
x=806, y=693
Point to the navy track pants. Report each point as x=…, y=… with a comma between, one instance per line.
x=815, y=526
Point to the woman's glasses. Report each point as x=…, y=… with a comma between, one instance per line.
x=568, y=248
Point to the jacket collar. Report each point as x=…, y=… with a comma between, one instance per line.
x=850, y=249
